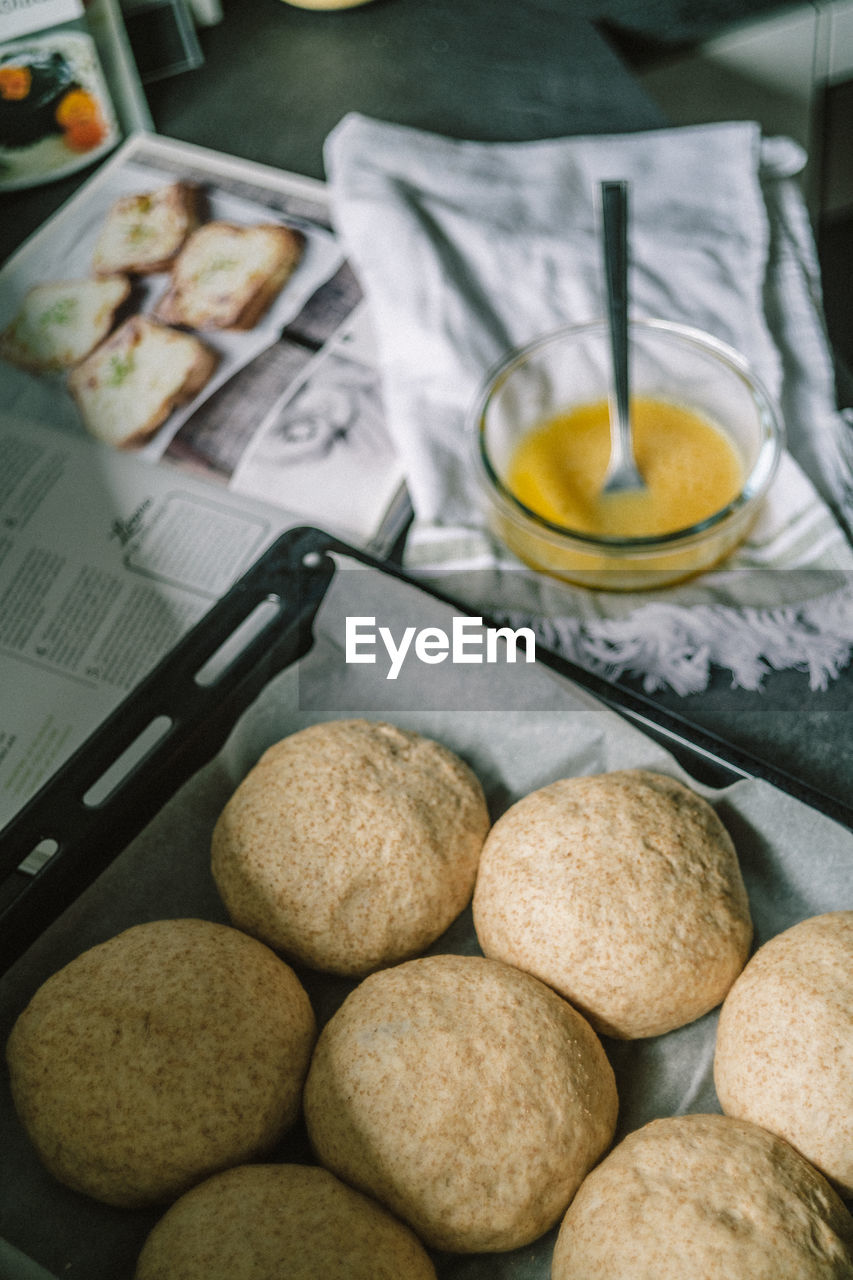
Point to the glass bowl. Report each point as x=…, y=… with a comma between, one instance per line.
x=571, y=367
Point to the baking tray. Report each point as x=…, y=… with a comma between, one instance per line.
x=126, y=819
x=281, y=593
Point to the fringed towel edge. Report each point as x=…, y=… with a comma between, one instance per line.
x=676, y=647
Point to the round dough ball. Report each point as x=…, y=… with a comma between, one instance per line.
x=704, y=1195
x=623, y=892
x=784, y=1055
x=466, y=1096
x=350, y=845
x=171, y=1051
x=297, y=1221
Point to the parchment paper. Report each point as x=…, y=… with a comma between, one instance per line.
x=519, y=727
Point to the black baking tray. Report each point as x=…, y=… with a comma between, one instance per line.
x=83, y=819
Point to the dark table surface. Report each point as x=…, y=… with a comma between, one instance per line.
x=276, y=79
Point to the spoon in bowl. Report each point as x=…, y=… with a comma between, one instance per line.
x=622, y=473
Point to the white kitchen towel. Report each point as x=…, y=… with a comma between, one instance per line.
x=467, y=249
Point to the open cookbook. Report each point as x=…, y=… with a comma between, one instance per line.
x=148, y=462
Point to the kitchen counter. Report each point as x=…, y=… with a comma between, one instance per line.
x=276, y=79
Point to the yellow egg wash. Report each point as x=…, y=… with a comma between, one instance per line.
x=690, y=467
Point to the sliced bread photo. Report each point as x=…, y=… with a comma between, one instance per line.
x=142, y=233
x=60, y=322
x=226, y=276
x=128, y=387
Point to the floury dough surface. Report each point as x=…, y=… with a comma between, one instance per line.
x=784, y=1053
x=623, y=892
x=171, y=1051
x=466, y=1096
x=259, y=1221
x=350, y=845
x=704, y=1196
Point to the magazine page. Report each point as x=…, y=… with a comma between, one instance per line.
x=105, y=563
x=288, y=406
x=56, y=110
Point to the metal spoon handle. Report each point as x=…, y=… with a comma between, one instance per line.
x=622, y=472
x=614, y=208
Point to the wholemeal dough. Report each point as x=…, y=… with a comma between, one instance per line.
x=784, y=1056
x=623, y=892
x=350, y=845
x=171, y=1051
x=465, y=1095
x=293, y=1221
x=704, y=1197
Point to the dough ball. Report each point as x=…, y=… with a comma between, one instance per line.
x=704, y=1196
x=287, y=1220
x=465, y=1095
x=174, y=1050
x=784, y=1056
x=623, y=892
x=350, y=845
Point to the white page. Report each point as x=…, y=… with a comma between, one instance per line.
x=105, y=562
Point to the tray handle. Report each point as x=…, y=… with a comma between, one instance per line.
x=173, y=722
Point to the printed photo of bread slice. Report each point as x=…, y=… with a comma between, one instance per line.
x=59, y=323
x=128, y=387
x=226, y=275
x=143, y=233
